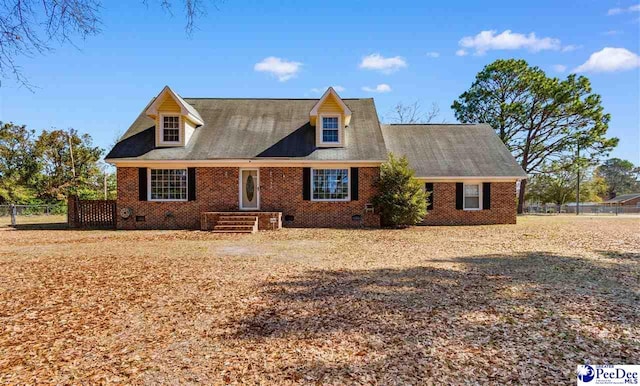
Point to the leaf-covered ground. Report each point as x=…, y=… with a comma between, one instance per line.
x=514, y=304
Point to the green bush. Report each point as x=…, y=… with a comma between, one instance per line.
x=401, y=200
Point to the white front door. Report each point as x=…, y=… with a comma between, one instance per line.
x=249, y=189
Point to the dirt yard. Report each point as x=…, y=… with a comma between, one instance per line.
x=514, y=304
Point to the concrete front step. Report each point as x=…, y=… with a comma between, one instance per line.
x=222, y=226
x=236, y=222
x=230, y=231
x=238, y=217
x=264, y=220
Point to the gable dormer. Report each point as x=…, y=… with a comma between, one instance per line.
x=176, y=120
x=330, y=116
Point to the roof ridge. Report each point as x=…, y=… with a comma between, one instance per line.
x=435, y=124
x=286, y=99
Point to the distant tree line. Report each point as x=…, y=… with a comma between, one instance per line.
x=558, y=184
x=47, y=168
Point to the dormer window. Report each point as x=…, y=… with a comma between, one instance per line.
x=175, y=120
x=170, y=129
x=330, y=116
x=330, y=129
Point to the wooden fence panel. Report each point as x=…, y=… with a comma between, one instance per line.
x=93, y=213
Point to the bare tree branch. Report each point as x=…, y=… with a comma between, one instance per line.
x=31, y=27
x=412, y=113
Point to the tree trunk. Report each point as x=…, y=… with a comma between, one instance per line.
x=523, y=185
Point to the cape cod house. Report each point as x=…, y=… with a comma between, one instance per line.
x=247, y=164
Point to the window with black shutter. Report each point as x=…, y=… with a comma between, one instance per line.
x=486, y=195
x=355, y=184
x=306, y=184
x=459, y=195
x=191, y=181
x=428, y=187
x=142, y=184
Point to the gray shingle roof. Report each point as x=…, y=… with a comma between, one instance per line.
x=622, y=198
x=255, y=129
x=459, y=150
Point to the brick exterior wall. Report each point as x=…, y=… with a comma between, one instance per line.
x=217, y=191
x=444, y=212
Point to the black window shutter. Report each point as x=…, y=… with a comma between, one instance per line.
x=428, y=187
x=306, y=184
x=459, y=195
x=191, y=183
x=142, y=184
x=486, y=195
x=355, y=186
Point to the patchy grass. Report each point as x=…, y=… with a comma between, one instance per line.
x=42, y=221
x=488, y=304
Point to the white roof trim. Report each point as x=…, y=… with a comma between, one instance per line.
x=184, y=110
x=330, y=91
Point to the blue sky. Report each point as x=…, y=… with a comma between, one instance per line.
x=398, y=51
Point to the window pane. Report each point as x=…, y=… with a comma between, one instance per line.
x=472, y=202
x=330, y=129
x=329, y=135
x=472, y=196
x=168, y=184
x=171, y=129
x=471, y=190
x=329, y=122
x=330, y=184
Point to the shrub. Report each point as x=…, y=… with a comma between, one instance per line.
x=401, y=200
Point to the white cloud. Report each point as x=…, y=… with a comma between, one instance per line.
x=380, y=63
x=617, y=11
x=323, y=89
x=433, y=54
x=280, y=68
x=613, y=32
x=461, y=52
x=570, y=47
x=559, y=68
x=507, y=40
x=610, y=59
x=381, y=88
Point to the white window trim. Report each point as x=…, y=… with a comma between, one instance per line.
x=348, y=198
x=464, y=201
x=164, y=199
x=161, y=123
x=339, y=142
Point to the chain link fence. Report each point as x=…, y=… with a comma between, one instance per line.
x=26, y=214
x=587, y=209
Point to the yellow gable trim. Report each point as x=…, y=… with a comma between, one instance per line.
x=168, y=101
x=330, y=102
x=169, y=105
